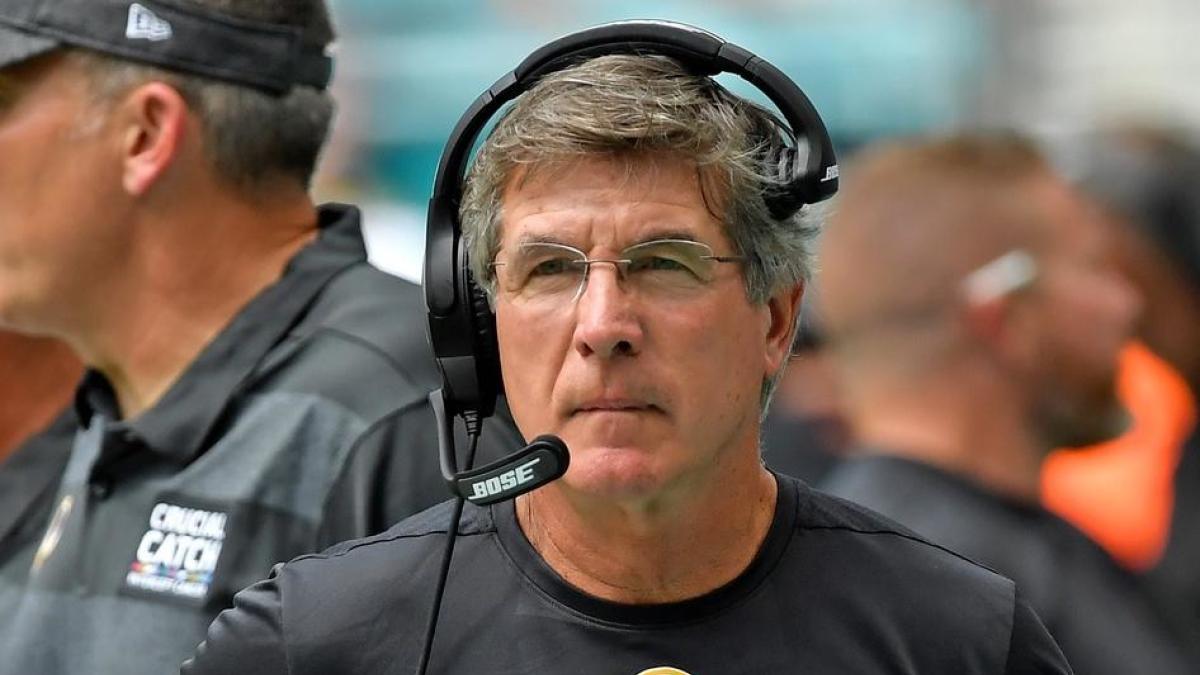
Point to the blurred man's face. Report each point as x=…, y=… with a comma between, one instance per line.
x=652, y=376
x=52, y=176
x=1087, y=312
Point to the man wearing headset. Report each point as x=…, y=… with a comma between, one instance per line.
x=255, y=388
x=645, y=297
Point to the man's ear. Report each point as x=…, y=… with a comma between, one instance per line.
x=782, y=311
x=1004, y=325
x=153, y=119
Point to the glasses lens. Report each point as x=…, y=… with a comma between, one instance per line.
x=556, y=273
x=543, y=271
x=670, y=264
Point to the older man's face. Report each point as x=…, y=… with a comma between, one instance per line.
x=652, y=376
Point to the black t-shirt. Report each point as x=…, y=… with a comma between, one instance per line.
x=833, y=589
x=1093, y=608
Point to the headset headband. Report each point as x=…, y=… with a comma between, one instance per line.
x=700, y=51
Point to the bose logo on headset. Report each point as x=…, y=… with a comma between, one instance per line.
x=506, y=481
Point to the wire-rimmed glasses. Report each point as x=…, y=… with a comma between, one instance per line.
x=547, y=273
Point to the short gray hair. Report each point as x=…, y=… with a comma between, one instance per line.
x=632, y=107
x=250, y=136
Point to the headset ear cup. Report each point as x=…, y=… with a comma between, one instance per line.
x=484, y=347
x=487, y=348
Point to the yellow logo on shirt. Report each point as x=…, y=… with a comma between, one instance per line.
x=53, y=532
x=662, y=670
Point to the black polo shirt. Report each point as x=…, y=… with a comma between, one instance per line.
x=833, y=589
x=1093, y=608
x=303, y=423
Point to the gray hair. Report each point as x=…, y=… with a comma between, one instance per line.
x=632, y=108
x=250, y=136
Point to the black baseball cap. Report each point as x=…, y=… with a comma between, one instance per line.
x=169, y=34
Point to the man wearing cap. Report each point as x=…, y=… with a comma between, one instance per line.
x=255, y=389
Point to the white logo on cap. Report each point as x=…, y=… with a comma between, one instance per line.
x=145, y=25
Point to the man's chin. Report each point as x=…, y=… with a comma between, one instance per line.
x=614, y=473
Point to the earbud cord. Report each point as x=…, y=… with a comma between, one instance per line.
x=474, y=426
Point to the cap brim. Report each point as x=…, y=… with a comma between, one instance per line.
x=17, y=46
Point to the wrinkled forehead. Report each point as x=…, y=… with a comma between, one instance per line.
x=613, y=201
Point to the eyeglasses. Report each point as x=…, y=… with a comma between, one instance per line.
x=548, y=273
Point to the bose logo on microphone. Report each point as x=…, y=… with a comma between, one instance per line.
x=505, y=481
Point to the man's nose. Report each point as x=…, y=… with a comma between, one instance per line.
x=606, y=323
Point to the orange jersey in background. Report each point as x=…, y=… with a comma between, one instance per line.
x=1121, y=493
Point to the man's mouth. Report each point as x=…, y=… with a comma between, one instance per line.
x=613, y=405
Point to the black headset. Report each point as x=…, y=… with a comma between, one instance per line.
x=462, y=328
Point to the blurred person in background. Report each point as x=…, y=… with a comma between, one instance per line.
x=37, y=377
x=975, y=321
x=804, y=433
x=1139, y=495
x=255, y=389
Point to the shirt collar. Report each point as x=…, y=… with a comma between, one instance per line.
x=179, y=424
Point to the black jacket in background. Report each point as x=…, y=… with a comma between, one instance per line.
x=1175, y=580
x=1092, y=607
